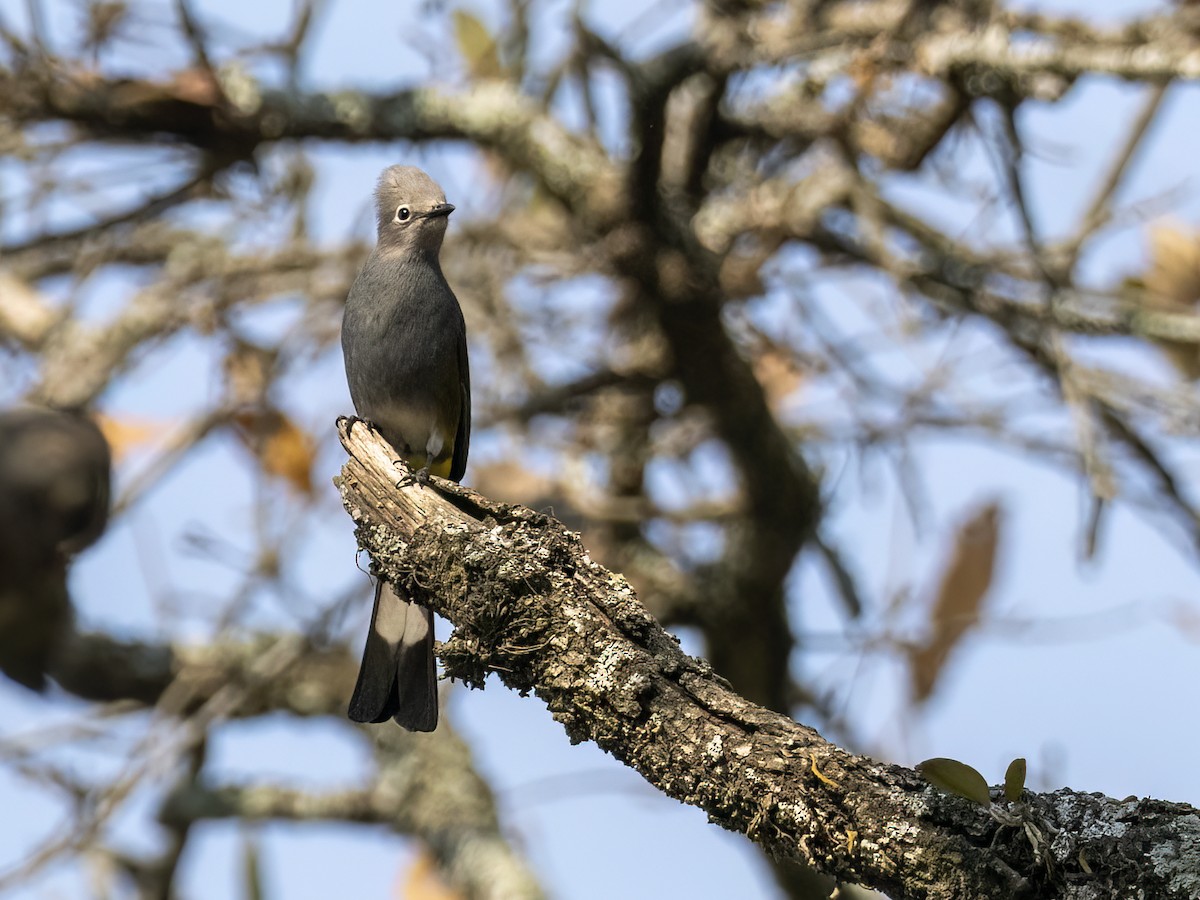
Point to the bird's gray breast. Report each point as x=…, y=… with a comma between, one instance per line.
x=400, y=336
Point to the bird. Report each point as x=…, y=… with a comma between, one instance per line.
x=404, y=340
x=55, y=482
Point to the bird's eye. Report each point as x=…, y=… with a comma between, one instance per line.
x=402, y=214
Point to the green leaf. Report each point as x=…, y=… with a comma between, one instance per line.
x=956, y=777
x=1014, y=780
x=477, y=46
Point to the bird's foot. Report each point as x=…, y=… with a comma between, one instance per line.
x=351, y=421
x=412, y=476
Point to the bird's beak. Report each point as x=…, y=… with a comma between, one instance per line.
x=442, y=209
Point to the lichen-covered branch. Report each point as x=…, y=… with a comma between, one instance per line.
x=531, y=607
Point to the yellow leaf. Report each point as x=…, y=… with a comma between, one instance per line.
x=477, y=46
x=1173, y=277
x=1172, y=283
x=127, y=434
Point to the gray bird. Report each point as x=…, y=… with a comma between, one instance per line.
x=55, y=469
x=405, y=345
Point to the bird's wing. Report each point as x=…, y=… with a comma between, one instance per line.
x=462, y=440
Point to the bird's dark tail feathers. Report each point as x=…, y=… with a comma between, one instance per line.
x=398, y=676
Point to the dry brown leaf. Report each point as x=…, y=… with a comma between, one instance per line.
x=127, y=434
x=1173, y=277
x=195, y=86
x=965, y=583
x=1172, y=283
x=282, y=448
x=423, y=882
x=740, y=275
x=778, y=374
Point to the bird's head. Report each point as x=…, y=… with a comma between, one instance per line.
x=411, y=210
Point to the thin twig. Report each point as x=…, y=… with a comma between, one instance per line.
x=1099, y=212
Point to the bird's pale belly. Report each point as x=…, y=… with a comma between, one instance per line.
x=416, y=434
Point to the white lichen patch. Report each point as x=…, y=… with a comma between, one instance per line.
x=1103, y=828
x=603, y=674
x=900, y=830
x=386, y=541
x=638, y=683
x=794, y=813
x=714, y=747
x=576, y=617
x=1178, y=861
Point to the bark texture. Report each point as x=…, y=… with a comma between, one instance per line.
x=529, y=605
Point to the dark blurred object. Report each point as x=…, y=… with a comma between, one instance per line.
x=55, y=468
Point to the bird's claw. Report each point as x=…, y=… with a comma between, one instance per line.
x=412, y=476
x=351, y=421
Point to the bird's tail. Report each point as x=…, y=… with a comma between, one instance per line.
x=398, y=677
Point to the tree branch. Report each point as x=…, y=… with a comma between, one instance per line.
x=529, y=605
x=426, y=786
